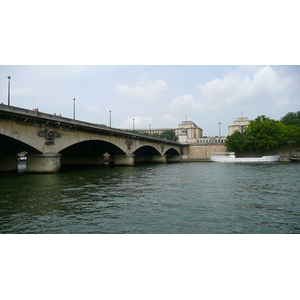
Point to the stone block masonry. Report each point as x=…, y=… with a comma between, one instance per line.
x=201, y=152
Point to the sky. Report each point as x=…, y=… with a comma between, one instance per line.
x=157, y=62
x=160, y=96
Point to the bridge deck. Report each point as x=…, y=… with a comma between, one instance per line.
x=44, y=119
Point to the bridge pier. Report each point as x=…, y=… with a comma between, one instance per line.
x=159, y=159
x=139, y=159
x=78, y=160
x=174, y=158
x=124, y=160
x=43, y=163
x=8, y=163
x=151, y=159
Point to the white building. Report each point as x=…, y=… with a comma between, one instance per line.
x=188, y=132
x=240, y=124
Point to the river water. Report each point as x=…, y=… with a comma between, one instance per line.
x=177, y=198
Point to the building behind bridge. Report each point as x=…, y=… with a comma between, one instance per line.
x=187, y=132
x=240, y=124
x=190, y=133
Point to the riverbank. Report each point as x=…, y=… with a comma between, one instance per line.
x=200, y=152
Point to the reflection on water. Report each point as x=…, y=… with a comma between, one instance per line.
x=171, y=198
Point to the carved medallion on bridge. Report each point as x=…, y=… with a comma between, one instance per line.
x=129, y=143
x=162, y=147
x=49, y=135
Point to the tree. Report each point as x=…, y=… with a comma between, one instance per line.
x=291, y=118
x=156, y=135
x=292, y=136
x=237, y=142
x=264, y=133
x=169, y=135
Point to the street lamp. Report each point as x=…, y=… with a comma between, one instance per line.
x=8, y=92
x=74, y=108
x=219, y=130
x=110, y=118
x=133, y=124
x=150, y=128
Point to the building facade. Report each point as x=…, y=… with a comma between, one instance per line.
x=188, y=132
x=240, y=124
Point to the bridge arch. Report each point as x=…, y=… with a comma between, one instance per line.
x=146, y=154
x=146, y=150
x=9, y=148
x=172, y=152
x=12, y=146
x=89, y=152
x=172, y=155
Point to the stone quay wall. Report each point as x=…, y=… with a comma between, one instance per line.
x=200, y=152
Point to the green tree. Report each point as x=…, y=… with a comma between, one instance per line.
x=237, y=142
x=292, y=136
x=291, y=118
x=156, y=135
x=169, y=135
x=264, y=133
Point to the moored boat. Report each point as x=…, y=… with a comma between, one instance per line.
x=294, y=158
x=230, y=157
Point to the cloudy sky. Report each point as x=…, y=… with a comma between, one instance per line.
x=160, y=95
x=157, y=62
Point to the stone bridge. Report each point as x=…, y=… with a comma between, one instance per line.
x=51, y=141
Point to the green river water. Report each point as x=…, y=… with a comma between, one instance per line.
x=177, y=198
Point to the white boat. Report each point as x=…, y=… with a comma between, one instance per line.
x=230, y=157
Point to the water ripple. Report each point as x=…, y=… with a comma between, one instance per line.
x=173, y=198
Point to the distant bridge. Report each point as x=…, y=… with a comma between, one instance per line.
x=52, y=141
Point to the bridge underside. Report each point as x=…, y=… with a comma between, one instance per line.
x=92, y=152
x=101, y=153
x=11, y=146
x=89, y=153
x=9, y=152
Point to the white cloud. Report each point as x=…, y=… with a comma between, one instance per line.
x=237, y=87
x=150, y=90
x=130, y=109
x=168, y=121
x=283, y=103
x=94, y=109
x=182, y=102
x=138, y=122
x=21, y=92
x=187, y=106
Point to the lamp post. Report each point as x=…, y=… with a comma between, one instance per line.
x=74, y=108
x=110, y=118
x=150, y=128
x=133, y=124
x=8, y=91
x=219, y=130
